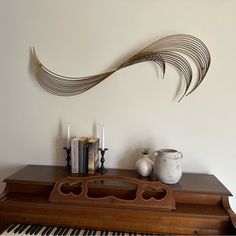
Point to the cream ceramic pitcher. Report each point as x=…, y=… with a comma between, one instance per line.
x=167, y=166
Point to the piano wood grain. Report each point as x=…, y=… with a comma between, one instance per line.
x=201, y=205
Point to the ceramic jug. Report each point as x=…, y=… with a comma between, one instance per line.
x=167, y=166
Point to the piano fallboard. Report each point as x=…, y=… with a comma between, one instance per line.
x=201, y=204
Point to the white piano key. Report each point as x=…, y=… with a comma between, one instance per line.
x=69, y=232
x=41, y=231
x=17, y=234
x=110, y=233
x=5, y=231
x=11, y=232
x=81, y=232
x=53, y=231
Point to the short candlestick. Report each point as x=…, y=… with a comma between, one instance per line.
x=68, y=167
x=102, y=169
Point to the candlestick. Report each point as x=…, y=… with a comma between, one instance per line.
x=103, y=138
x=102, y=169
x=68, y=150
x=68, y=136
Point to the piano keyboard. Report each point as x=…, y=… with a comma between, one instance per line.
x=40, y=230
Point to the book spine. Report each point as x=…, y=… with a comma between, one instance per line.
x=85, y=158
x=74, y=156
x=93, y=156
x=81, y=154
x=83, y=165
x=96, y=155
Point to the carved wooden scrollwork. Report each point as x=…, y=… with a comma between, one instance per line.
x=97, y=190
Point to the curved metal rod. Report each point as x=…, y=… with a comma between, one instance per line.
x=170, y=49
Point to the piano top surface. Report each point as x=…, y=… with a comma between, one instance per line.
x=48, y=175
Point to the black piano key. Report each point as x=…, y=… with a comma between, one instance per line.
x=11, y=228
x=77, y=232
x=29, y=229
x=85, y=232
x=57, y=231
x=62, y=231
x=34, y=229
x=45, y=230
x=66, y=231
x=17, y=228
x=104, y=232
x=38, y=229
x=49, y=230
x=73, y=232
x=23, y=228
x=92, y=232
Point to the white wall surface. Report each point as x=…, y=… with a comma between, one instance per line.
x=80, y=38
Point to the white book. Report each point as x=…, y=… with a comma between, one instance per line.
x=74, y=155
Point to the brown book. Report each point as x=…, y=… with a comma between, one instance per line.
x=93, y=155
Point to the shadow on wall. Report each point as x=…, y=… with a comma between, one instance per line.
x=60, y=142
x=131, y=154
x=129, y=158
x=31, y=67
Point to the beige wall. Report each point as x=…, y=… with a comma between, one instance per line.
x=79, y=38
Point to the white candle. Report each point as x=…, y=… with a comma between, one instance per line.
x=68, y=136
x=103, y=139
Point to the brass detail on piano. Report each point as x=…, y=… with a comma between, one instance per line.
x=85, y=191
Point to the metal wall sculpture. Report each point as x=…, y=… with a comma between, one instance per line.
x=169, y=50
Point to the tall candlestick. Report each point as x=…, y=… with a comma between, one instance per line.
x=103, y=139
x=68, y=136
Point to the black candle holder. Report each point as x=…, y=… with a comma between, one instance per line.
x=102, y=169
x=68, y=166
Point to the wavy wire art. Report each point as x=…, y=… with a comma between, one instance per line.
x=170, y=49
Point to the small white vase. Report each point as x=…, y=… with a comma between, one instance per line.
x=144, y=166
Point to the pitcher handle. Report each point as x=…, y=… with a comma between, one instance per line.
x=180, y=155
x=153, y=155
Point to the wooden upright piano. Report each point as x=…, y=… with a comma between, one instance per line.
x=117, y=201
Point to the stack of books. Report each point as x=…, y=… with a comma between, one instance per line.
x=84, y=155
